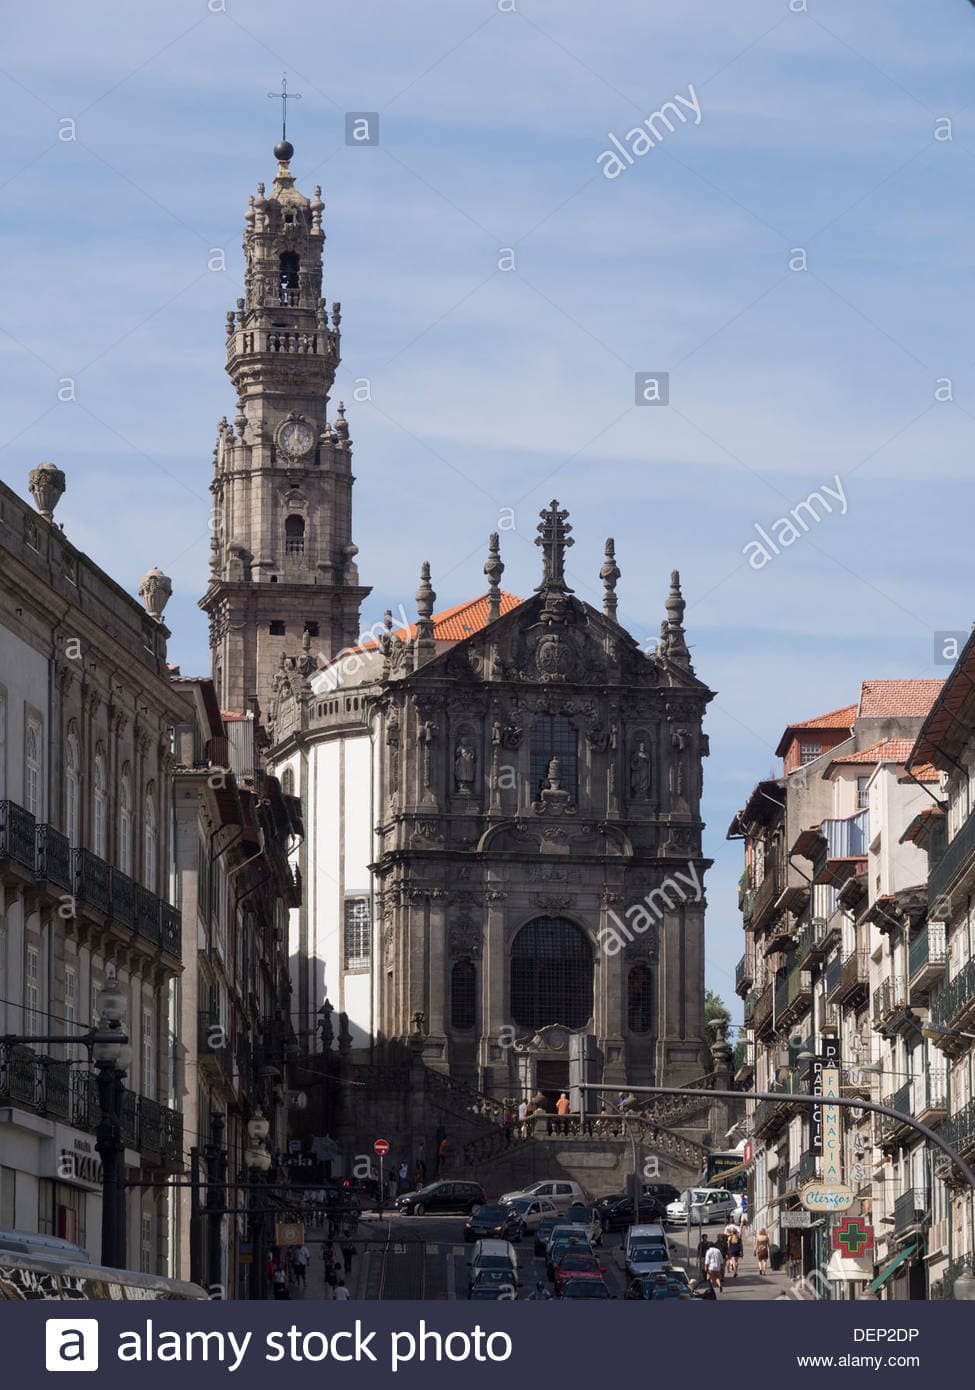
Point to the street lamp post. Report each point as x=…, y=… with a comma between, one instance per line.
x=112, y=1057
x=257, y=1160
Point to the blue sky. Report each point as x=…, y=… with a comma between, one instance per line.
x=499, y=389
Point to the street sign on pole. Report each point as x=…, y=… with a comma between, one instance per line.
x=381, y=1147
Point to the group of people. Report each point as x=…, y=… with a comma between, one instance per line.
x=719, y=1259
x=287, y=1268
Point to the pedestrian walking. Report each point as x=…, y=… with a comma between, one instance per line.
x=341, y=1292
x=301, y=1265
x=279, y=1281
x=734, y=1251
x=442, y=1148
x=539, y=1294
x=403, y=1177
x=420, y=1174
x=714, y=1266
x=348, y=1255
x=763, y=1250
x=703, y=1246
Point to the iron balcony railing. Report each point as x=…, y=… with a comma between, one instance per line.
x=955, y=997
x=53, y=1088
x=53, y=863
x=930, y=1091
x=123, y=899
x=927, y=948
x=765, y=895
x=958, y=1130
x=147, y=914
x=743, y=974
x=888, y=999
x=910, y=1209
x=833, y=970
x=902, y=1102
x=17, y=834
x=212, y=1040
x=93, y=881
x=170, y=929
x=943, y=875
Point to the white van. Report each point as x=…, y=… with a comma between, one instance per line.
x=493, y=1262
x=647, y=1250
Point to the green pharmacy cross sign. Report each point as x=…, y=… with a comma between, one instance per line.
x=853, y=1236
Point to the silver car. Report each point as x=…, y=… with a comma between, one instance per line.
x=531, y=1210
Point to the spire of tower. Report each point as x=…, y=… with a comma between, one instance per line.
x=425, y=648
x=494, y=568
x=553, y=536
x=609, y=574
x=677, y=651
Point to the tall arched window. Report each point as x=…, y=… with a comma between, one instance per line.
x=125, y=824
x=100, y=823
x=463, y=995
x=551, y=975
x=33, y=784
x=72, y=790
x=150, y=846
x=553, y=736
x=288, y=278
x=639, y=998
x=294, y=535
x=288, y=781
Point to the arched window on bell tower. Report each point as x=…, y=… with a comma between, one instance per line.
x=294, y=535
x=288, y=278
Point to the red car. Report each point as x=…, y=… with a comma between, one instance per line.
x=575, y=1265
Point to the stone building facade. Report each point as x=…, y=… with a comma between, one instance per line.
x=86, y=707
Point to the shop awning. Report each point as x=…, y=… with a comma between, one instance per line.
x=848, y=1268
x=892, y=1266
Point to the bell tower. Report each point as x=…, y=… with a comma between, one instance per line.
x=282, y=560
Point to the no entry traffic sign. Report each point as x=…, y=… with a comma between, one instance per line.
x=381, y=1147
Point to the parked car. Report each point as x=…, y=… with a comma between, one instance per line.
x=493, y=1261
x=442, y=1196
x=575, y=1262
x=543, y=1232
x=616, y=1212
x=502, y=1222
x=560, y=1191
x=531, y=1211
x=664, y=1191
x=702, y=1205
x=582, y=1287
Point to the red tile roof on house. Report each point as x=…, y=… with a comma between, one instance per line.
x=838, y=719
x=893, y=698
x=925, y=772
x=453, y=624
x=888, y=750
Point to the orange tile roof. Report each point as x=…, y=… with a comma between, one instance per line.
x=892, y=698
x=836, y=719
x=453, y=624
x=924, y=772
x=888, y=750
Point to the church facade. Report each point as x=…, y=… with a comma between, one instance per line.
x=502, y=863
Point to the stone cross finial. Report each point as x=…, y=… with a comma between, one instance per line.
x=553, y=536
x=47, y=484
x=609, y=574
x=494, y=569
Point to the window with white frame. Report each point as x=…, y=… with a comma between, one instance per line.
x=100, y=789
x=70, y=995
x=148, y=1056
x=32, y=989
x=150, y=839
x=358, y=934
x=33, y=767
x=72, y=791
x=808, y=752
x=125, y=824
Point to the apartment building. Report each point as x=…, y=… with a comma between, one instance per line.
x=833, y=898
x=86, y=708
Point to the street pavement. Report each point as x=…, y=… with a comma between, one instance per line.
x=401, y=1257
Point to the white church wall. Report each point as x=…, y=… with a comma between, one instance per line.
x=357, y=992
x=324, y=887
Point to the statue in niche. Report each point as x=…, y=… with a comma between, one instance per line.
x=465, y=767
x=680, y=743
x=640, y=772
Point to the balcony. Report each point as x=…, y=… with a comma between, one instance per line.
x=147, y=914
x=765, y=895
x=762, y=1008
x=854, y=978
x=889, y=1001
x=793, y=994
x=927, y=956
x=48, y=1087
x=931, y=1096
x=902, y=1101
x=832, y=977
x=170, y=929
x=955, y=1001
x=123, y=899
x=910, y=1210
x=743, y=975
x=944, y=876
x=53, y=862
x=810, y=943
x=17, y=836
x=92, y=882
x=769, y=1115
x=959, y=1129
x=808, y=1163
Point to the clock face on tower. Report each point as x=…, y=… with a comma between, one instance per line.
x=296, y=438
